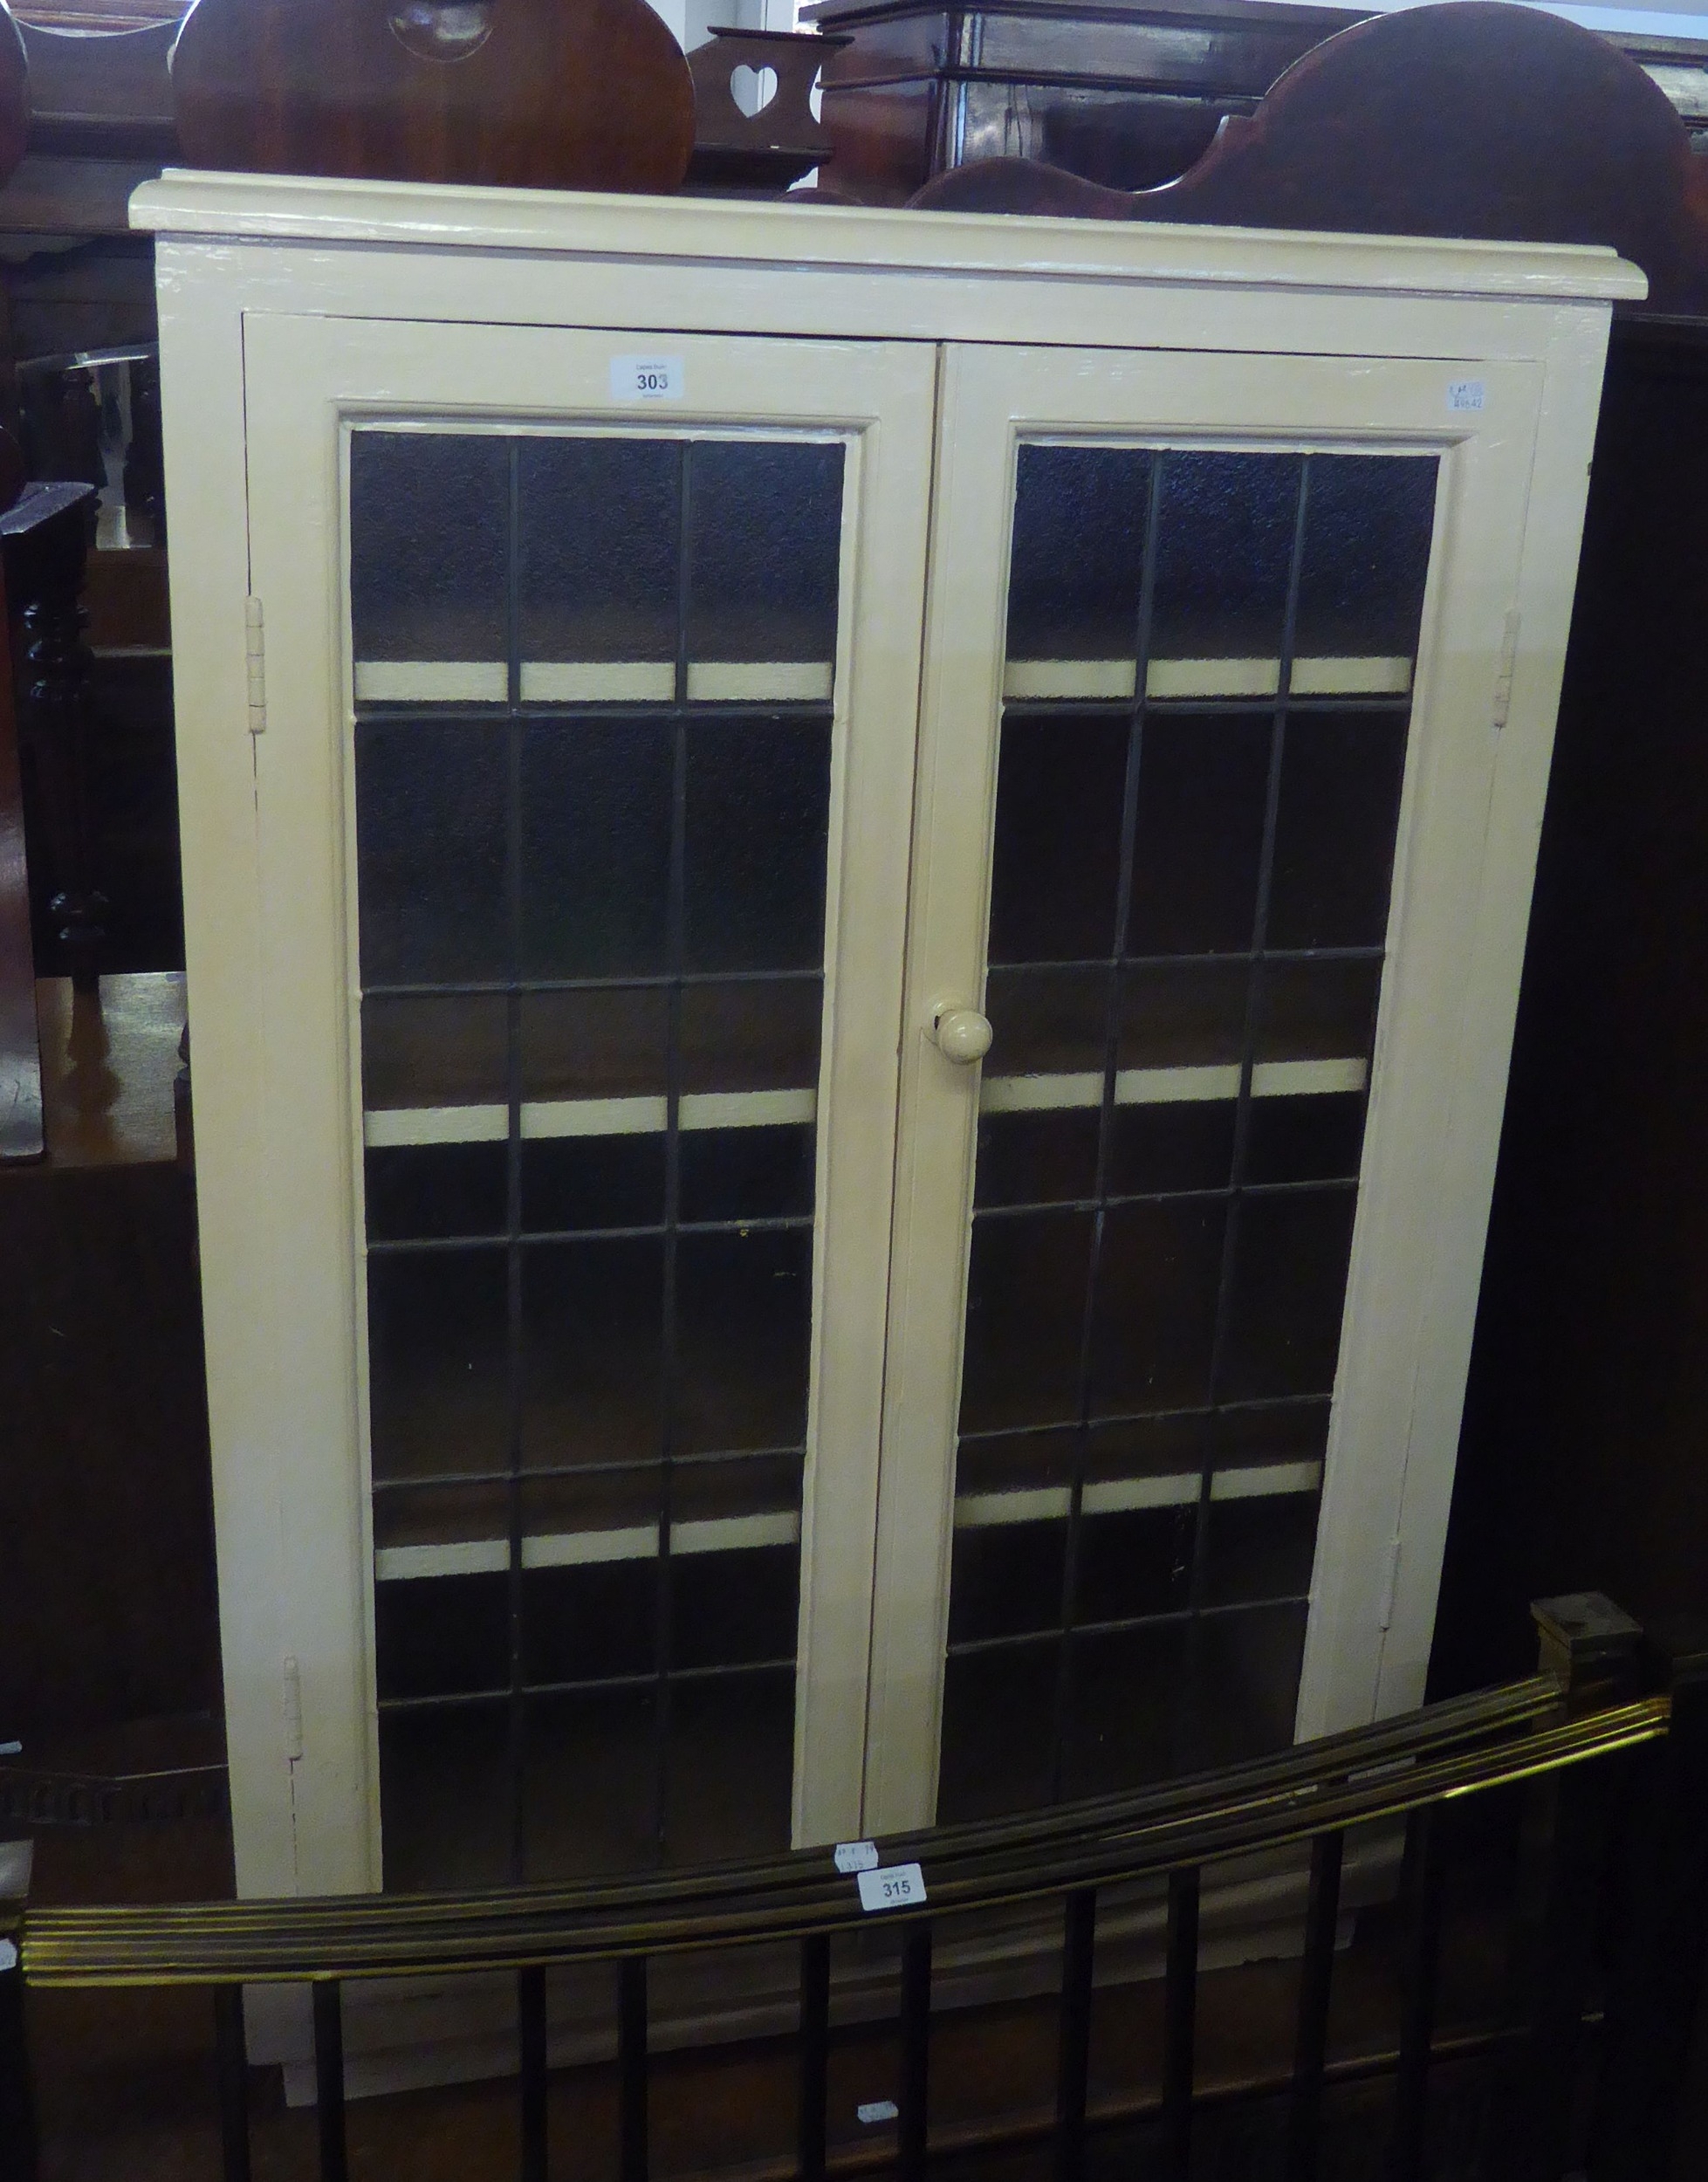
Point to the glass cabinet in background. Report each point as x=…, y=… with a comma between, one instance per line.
x=855, y=888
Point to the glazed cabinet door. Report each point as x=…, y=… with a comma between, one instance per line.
x=1179, y=1316
x=583, y=802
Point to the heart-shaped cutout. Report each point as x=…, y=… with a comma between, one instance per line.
x=752, y=89
x=442, y=30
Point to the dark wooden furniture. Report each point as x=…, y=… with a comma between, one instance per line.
x=20, y=1052
x=43, y=541
x=767, y=148
x=106, y=1576
x=1129, y=96
x=1588, y=1399
x=527, y=93
x=1470, y=119
x=20, y=1049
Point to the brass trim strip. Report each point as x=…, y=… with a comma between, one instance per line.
x=1445, y=1753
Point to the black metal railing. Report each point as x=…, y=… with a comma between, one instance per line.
x=1610, y=1741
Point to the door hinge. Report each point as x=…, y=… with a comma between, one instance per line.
x=291, y=1693
x=1390, y=1586
x=1503, y=680
x=254, y=645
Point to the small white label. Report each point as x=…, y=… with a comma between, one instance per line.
x=856, y=1855
x=16, y=1750
x=8, y=1955
x=897, y=1886
x=878, y=2110
x=650, y=379
x=1464, y=393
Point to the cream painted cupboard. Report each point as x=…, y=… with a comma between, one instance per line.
x=854, y=886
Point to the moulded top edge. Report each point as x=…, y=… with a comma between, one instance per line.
x=294, y=209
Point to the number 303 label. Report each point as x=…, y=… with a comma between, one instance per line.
x=897, y=1886
x=645, y=379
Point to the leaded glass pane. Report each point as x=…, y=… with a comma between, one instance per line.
x=594, y=675
x=1201, y=759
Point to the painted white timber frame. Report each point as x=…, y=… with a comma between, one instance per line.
x=1134, y=330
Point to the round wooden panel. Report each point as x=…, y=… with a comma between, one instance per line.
x=552, y=94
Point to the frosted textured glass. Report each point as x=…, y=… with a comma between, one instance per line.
x=1366, y=550
x=1078, y=553
x=600, y=523
x=595, y=847
x=764, y=538
x=430, y=838
x=430, y=531
x=1224, y=542
x=758, y=827
x=1055, y=877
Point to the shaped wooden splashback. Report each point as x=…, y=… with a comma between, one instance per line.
x=527, y=93
x=1470, y=119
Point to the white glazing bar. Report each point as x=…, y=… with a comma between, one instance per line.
x=597, y=681
x=431, y=681
x=389, y=1125
x=582, y=1549
x=1212, y=677
x=1027, y=1094
x=1170, y=1086
x=746, y=1109
x=1120, y=1496
x=1039, y=680
x=593, y=1117
x=574, y=1549
x=462, y=1557
x=1308, y=1078
x=639, y=1541
x=1371, y=677
x=731, y=1533
x=647, y=1116
x=1259, y=1481
x=759, y=681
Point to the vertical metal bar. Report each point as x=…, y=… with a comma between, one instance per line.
x=1568, y=1838
x=631, y=2069
x=1191, y=1679
x=231, y=2053
x=329, y=2080
x=530, y=2055
x=1062, y=1701
x=814, y=2095
x=1316, y=1973
x=516, y=1747
x=18, y=2148
x=1180, y=2025
x=1411, y=2082
x=675, y=961
x=915, y=2123
x=1655, y=2007
x=1074, y=2057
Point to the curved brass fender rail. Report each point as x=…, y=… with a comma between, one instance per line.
x=1446, y=1752
x=1458, y=1724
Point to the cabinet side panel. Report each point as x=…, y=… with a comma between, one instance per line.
x=202, y=417
x=1553, y=526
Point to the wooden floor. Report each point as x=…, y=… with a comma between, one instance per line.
x=126, y=2088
